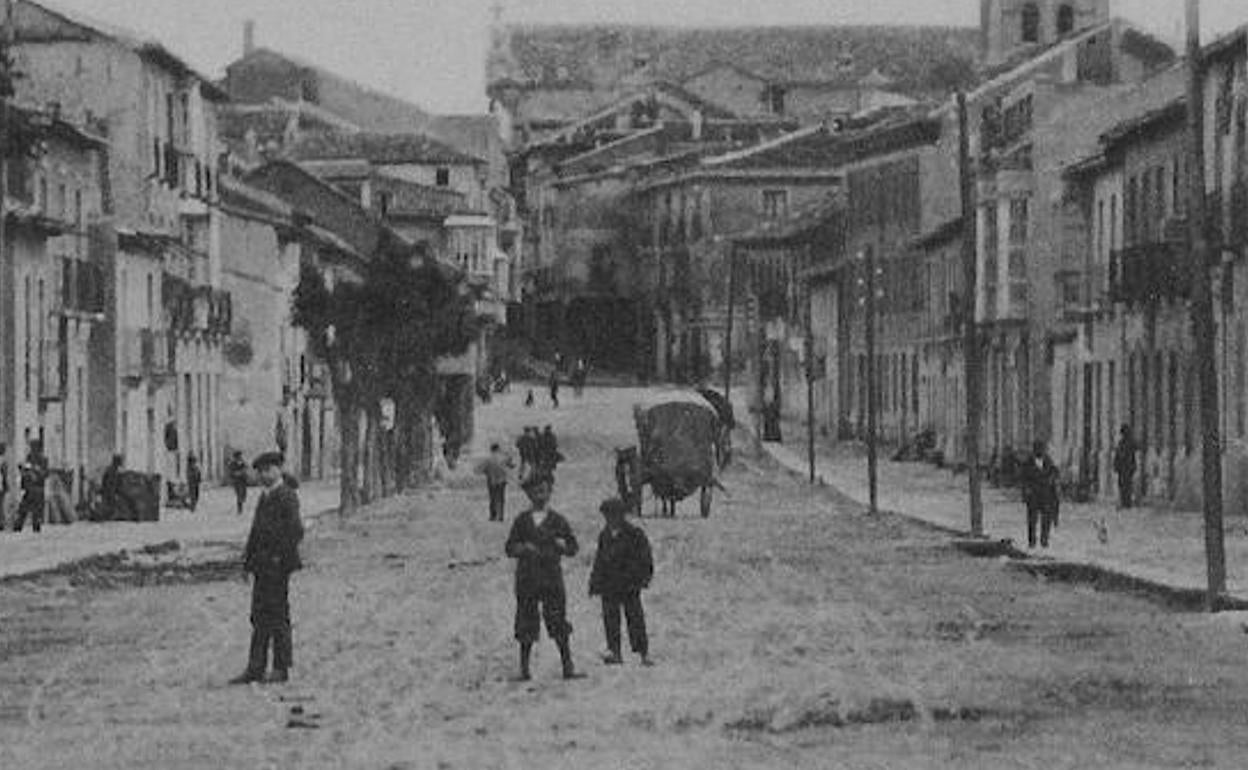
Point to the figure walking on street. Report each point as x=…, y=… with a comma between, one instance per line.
x=579, y=374
x=34, y=473
x=4, y=481
x=110, y=488
x=526, y=446
x=1124, y=465
x=554, y=388
x=236, y=468
x=539, y=538
x=546, y=455
x=271, y=555
x=1039, y=482
x=623, y=566
x=496, y=469
x=194, y=479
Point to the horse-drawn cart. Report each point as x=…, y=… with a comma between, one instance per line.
x=682, y=446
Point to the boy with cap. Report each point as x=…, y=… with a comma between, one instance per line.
x=539, y=538
x=622, y=567
x=271, y=555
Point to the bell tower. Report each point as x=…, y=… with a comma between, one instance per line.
x=1008, y=26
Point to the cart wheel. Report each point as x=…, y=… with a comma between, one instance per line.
x=705, y=500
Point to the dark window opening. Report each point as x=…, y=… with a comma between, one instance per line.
x=1031, y=23
x=1065, y=19
x=443, y=177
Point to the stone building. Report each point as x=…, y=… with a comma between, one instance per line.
x=53, y=293
x=159, y=119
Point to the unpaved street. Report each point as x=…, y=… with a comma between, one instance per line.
x=790, y=629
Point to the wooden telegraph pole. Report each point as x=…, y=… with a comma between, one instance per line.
x=872, y=395
x=810, y=385
x=970, y=329
x=732, y=299
x=1202, y=317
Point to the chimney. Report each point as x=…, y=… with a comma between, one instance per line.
x=249, y=37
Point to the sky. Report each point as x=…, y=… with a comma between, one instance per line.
x=432, y=52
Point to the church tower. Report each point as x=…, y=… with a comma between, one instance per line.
x=1008, y=26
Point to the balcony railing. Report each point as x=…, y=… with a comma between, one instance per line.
x=1148, y=272
x=147, y=353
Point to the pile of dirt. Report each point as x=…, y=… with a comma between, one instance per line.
x=167, y=563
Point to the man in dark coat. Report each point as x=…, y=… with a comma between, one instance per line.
x=1124, y=465
x=547, y=456
x=622, y=567
x=34, y=474
x=539, y=538
x=271, y=555
x=194, y=480
x=236, y=469
x=554, y=388
x=110, y=488
x=1039, y=482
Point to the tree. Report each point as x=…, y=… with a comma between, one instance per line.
x=381, y=338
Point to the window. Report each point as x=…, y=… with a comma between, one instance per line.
x=775, y=99
x=442, y=177
x=1065, y=19
x=1128, y=211
x=384, y=202
x=1031, y=23
x=775, y=203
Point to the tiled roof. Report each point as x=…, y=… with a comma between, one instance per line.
x=820, y=148
x=606, y=55
x=380, y=148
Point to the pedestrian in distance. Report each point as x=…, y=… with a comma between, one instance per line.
x=526, y=446
x=110, y=487
x=1124, y=465
x=529, y=400
x=547, y=456
x=539, y=538
x=1039, y=482
x=623, y=567
x=554, y=388
x=579, y=374
x=4, y=481
x=236, y=470
x=194, y=479
x=34, y=475
x=271, y=555
x=496, y=469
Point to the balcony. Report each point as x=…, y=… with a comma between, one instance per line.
x=147, y=354
x=1149, y=272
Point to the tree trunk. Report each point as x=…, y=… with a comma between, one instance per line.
x=348, y=458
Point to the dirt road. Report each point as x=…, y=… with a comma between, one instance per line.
x=790, y=629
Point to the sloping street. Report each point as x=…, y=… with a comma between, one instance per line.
x=790, y=629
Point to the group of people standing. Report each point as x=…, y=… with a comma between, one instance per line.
x=623, y=566
x=541, y=537
x=1040, y=478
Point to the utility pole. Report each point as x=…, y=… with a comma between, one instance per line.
x=970, y=329
x=810, y=385
x=872, y=395
x=1202, y=318
x=8, y=383
x=732, y=300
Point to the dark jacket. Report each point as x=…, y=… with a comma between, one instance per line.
x=34, y=475
x=1039, y=482
x=538, y=572
x=276, y=530
x=1124, y=457
x=623, y=563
